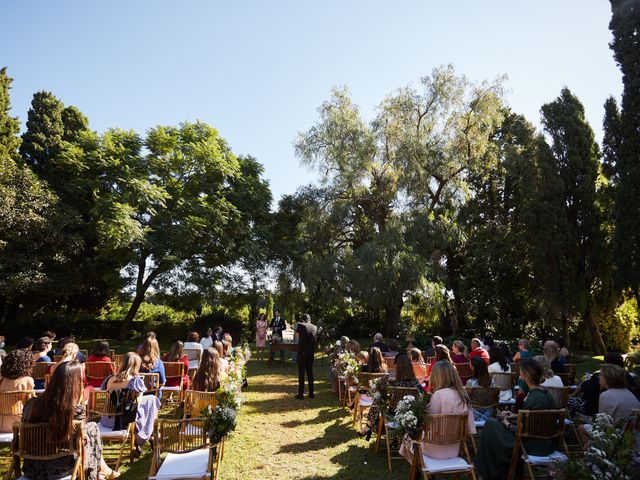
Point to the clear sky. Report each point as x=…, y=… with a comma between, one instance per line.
x=258, y=69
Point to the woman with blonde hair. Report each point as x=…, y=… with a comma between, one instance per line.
x=552, y=355
x=353, y=347
x=207, y=378
x=224, y=363
x=150, y=359
x=128, y=382
x=449, y=397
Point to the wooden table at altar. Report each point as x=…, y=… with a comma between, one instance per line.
x=277, y=347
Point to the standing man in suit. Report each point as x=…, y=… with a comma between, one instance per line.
x=308, y=334
x=278, y=325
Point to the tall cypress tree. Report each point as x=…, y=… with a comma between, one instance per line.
x=9, y=126
x=625, y=27
x=576, y=157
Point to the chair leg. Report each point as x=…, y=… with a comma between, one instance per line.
x=119, y=461
x=388, y=442
x=379, y=432
x=222, y=449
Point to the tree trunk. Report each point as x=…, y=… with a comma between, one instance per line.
x=596, y=337
x=392, y=317
x=131, y=314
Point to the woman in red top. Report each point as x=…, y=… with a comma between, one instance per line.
x=176, y=355
x=100, y=354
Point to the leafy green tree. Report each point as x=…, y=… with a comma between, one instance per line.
x=624, y=25
x=201, y=215
x=9, y=126
x=577, y=156
x=382, y=178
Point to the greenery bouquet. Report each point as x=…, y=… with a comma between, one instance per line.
x=378, y=390
x=411, y=415
x=219, y=422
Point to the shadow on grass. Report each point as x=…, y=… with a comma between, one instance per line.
x=333, y=436
x=324, y=416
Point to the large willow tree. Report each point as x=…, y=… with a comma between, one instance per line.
x=391, y=186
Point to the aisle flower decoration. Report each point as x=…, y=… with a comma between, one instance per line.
x=612, y=454
x=411, y=415
x=219, y=422
x=378, y=391
x=347, y=365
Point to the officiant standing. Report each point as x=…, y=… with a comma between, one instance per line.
x=278, y=325
x=308, y=334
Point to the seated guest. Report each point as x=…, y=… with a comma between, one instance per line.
x=415, y=355
x=376, y=363
x=65, y=340
x=487, y=341
x=441, y=353
x=353, y=347
x=394, y=349
x=553, y=357
x=3, y=352
x=379, y=344
x=478, y=351
x=563, y=351
x=227, y=338
x=480, y=378
x=69, y=354
x=435, y=340
x=498, y=364
x=15, y=374
x=150, y=356
x=61, y=404
x=39, y=354
x=127, y=381
x=523, y=347
x=585, y=400
x=616, y=400
x=449, y=397
x=100, y=354
x=193, y=343
x=404, y=378
x=177, y=355
x=226, y=349
x=457, y=349
x=497, y=440
x=207, y=340
x=550, y=378
x=362, y=358
x=207, y=378
x=224, y=363
x=25, y=344
x=51, y=336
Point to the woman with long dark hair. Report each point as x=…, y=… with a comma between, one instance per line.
x=376, y=363
x=498, y=364
x=61, y=404
x=207, y=378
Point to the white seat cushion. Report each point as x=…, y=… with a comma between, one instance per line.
x=170, y=389
x=392, y=425
x=510, y=402
x=366, y=401
x=39, y=391
x=110, y=433
x=6, y=437
x=554, y=457
x=68, y=477
x=433, y=465
x=479, y=423
x=185, y=465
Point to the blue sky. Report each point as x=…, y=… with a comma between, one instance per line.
x=258, y=69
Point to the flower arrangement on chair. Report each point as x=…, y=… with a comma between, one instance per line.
x=379, y=393
x=347, y=366
x=410, y=416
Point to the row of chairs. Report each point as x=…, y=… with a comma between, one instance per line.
x=188, y=447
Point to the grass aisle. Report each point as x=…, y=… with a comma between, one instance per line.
x=279, y=437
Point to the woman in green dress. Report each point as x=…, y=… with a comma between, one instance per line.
x=498, y=435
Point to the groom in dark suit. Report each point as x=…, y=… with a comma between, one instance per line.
x=278, y=325
x=308, y=338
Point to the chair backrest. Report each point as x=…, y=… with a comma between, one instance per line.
x=570, y=368
x=445, y=429
x=119, y=360
x=151, y=381
x=419, y=370
x=112, y=354
x=40, y=369
x=31, y=441
x=543, y=424
x=566, y=378
x=364, y=378
x=12, y=402
x=193, y=354
x=515, y=368
x=174, y=371
x=100, y=404
x=485, y=398
x=180, y=436
x=195, y=402
x=98, y=370
x=464, y=369
x=395, y=394
x=503, y=380
x=429, y=360
x=560, y=395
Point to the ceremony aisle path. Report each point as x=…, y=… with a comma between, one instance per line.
x=279, y=437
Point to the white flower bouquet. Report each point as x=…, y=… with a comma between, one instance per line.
x=410, y=415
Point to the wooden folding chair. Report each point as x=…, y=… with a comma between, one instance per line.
x=571, y=370
x=543, y=425
x=98, y=371
x=504, y=381
x=118, y=360
x=100, y=406
x=194, y=355
x=483, y=398
x=152, y=382
x=112, y=354
x=189, y=453
x=515, y=368
x=195, y=402
x=11, y=405
x=566, y=378
x=38, y=372
x=385, y=424
x=560, y=395
x=429, y=360
x=443, y=429
x=465, y=372
x=173, y=371
x=363, y=400
x=31, y=442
